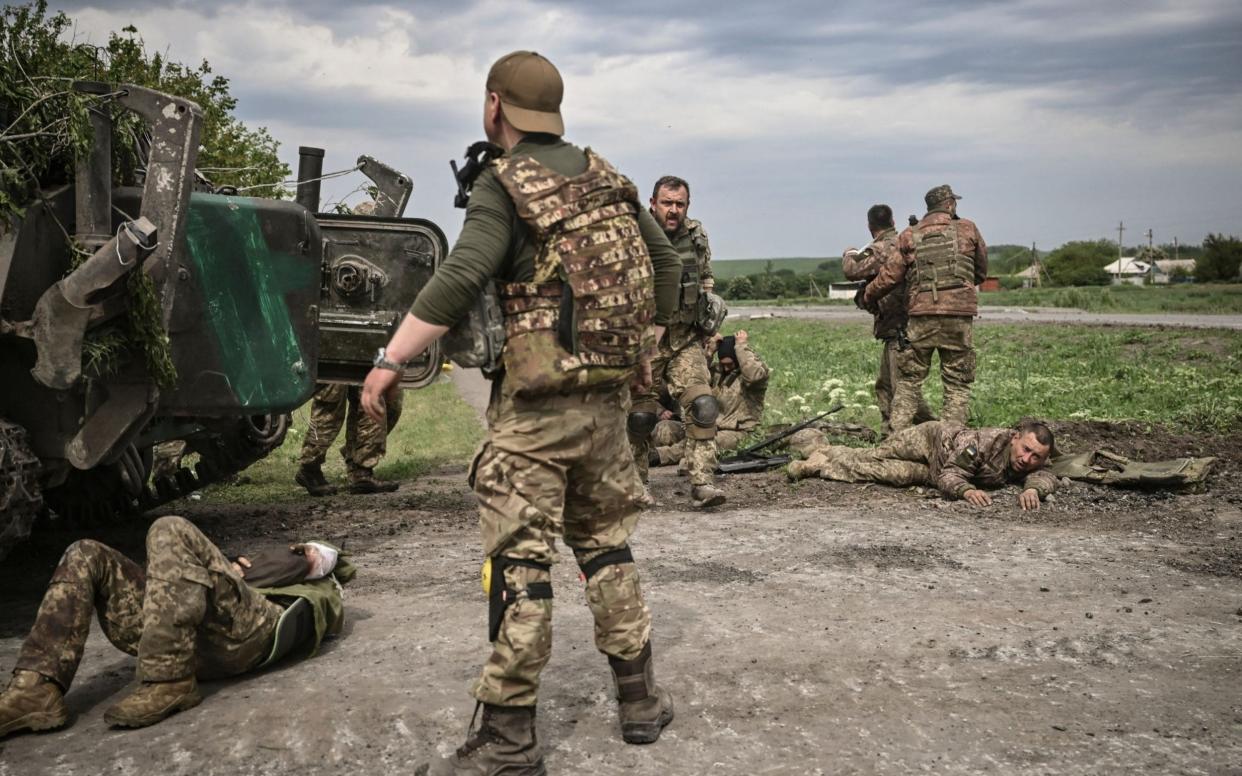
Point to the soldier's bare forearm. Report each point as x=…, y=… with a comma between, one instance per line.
x=412, y=338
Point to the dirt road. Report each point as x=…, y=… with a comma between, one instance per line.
x=806, y=629
x=844, y=313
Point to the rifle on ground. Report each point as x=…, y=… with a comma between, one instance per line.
x=748, y=460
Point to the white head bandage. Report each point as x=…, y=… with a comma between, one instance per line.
x=324, y=563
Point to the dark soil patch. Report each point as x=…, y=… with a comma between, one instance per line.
x=887, y=556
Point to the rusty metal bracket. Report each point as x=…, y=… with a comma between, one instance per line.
x=394, y=187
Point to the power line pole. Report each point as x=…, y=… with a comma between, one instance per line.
x=1176, y=253
x=1121, y=228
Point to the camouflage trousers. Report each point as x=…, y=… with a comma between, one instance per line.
x=188, y=613
x=686, y=376
x=951, y=336
x=669, y=439
x=903, y=459
x=885, y=382
x=365, y=440
x=552, y=467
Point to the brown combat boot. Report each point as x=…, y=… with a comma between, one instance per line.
x=504, y=745
x=363, y=481
x=644, y=707
x=32, y=702
x=151, y=702
x=310, y=476
x=704, y=496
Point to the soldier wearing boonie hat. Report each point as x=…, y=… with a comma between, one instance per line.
x=943, y=260
x=556, y=463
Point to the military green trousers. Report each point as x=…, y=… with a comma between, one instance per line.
x=952, y=338
x=885, y=384
x=903, y=459
x=188, y=613
x=366, y=441
x=685, y=374
x=669, y=439
x=557, y=467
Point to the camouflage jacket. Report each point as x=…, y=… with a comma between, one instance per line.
x=865, y=266
x=955, y=301
x=690, y=242
x=741, y=392
x=969, y=458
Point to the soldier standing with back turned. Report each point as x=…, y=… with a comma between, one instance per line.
x=890, y=315
x=560, y=231
x=943, y=259
x=682, y=364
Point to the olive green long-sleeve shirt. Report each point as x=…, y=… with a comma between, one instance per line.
x=494, y=243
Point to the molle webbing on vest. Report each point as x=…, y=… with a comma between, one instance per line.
x=937, y=262
x=592, y=264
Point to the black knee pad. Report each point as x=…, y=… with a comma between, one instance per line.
x=641, y=423
x=610, y=558
x=704, y=410
x=500, y=595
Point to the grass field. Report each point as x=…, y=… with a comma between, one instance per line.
x=1191, y=379
x=436, y=428
x=725, y=269
x=1181, y=298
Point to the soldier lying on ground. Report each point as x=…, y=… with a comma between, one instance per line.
x=958, y=461
x=739, y=381
x=192, y=613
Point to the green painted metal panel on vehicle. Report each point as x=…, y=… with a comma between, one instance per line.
x=248, y=272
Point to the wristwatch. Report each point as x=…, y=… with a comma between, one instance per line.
x=381, y=362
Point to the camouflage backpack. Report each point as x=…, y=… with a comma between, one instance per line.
x=937, y=264
x=587, y=317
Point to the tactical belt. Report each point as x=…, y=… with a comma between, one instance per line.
x=500, y=595
x=610, y=558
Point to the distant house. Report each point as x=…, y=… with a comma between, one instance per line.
x=1166, y=269
x=1030, y=276
x=1128, y=269
x=990, y=283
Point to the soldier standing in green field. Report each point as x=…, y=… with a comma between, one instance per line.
x=366, y=441
x=943, y=259
x=560, y=231
x=682, y=364
x=890, y=313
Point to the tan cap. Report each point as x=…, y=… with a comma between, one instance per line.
x=530, y=90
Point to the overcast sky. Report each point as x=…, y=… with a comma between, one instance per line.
x=1055, y=119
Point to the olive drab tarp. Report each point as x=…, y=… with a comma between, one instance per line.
x=1104, y=467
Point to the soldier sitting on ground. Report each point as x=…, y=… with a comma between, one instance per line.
x=739, y=381
x=958, y=461
x=191, y=614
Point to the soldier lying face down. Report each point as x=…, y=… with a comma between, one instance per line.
x=192, y=613
x=958, y=461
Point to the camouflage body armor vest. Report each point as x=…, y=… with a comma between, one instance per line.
x=587, y=317
x=938, y=265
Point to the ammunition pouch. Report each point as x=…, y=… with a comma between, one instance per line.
x=611, y=558
x=689, y=298
x=477, y=340
x=500, y=595
x=710, y=313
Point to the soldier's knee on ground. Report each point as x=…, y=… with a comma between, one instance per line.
x=805, y=442
x=640, y=423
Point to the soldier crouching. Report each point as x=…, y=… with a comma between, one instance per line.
x=192, y=613
x=958, y=461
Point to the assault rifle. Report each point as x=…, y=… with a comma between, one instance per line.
x=477, y=157
x=748, y=458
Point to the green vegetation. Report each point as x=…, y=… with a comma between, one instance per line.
x=1181, y=298
x=731, y=268
x=44, y=124
x=1221, y=259
x=1081, y=263
x=1191, y=379
x=436, y=428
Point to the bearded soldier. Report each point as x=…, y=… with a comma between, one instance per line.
x=682, y=364
x=890, y=312
x=586, y=281
x=943, y=259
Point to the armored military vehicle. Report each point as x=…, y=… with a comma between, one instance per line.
x=176, y=312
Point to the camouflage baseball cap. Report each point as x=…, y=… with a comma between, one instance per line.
x=530, y=90
x=939, y=194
